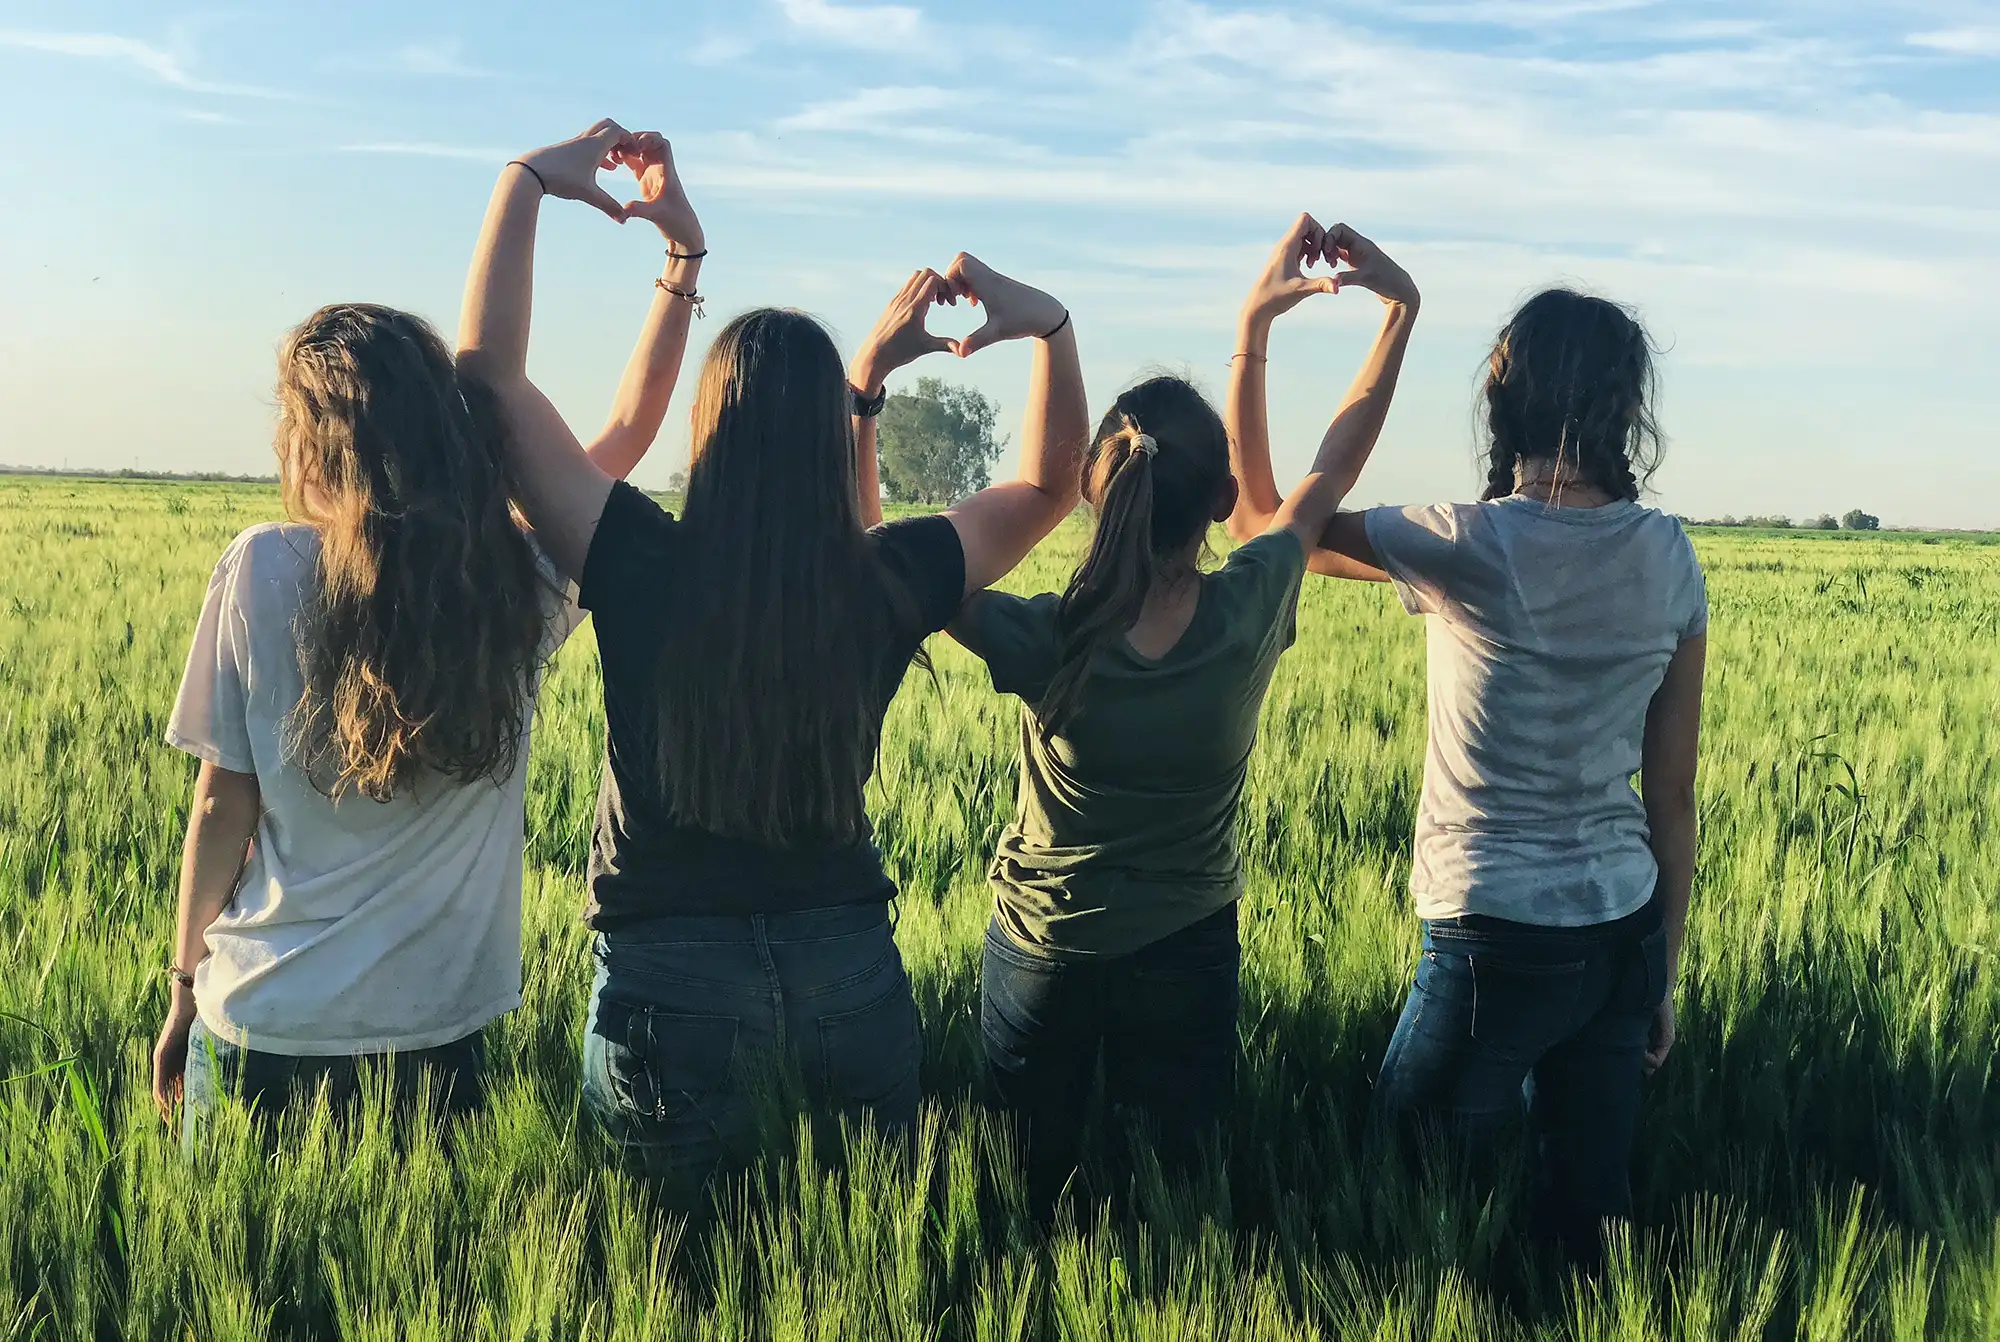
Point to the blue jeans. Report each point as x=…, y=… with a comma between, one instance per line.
x=1505, y=1016
x=1164, y=1017
x=218, y=1070
x=691, y=1017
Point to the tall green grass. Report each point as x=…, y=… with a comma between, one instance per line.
x=1820, y=1159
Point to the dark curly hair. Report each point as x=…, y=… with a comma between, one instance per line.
x=418, y=639
x=1571, y=380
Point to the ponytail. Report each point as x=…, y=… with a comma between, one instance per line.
x=1108, y=593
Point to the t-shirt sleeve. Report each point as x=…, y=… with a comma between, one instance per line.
x=561, y=611
x=210, y=718
x=627, y=551
x=925, y=556
x=1015, y=637
x=1696, y=606
x=1421, y=550
x=1260, y=583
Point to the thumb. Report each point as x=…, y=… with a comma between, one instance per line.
x=986, y=335
x=938, y=342
x=1327, y=284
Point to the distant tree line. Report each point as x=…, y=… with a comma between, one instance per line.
x=1852, y=520
x=127, y=473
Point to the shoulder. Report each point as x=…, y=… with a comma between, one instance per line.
x=925, y=555
x=1444, y=521
x=270, y=553
x=1277, y=548
x=929, y=537
x=627, y=551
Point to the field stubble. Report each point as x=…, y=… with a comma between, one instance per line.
x=1820, y=1158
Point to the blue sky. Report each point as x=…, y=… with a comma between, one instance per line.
x=1802, y=199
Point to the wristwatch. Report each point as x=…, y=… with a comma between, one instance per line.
x=866, y=406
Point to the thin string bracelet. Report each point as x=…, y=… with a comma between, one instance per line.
x=694, y=300
x=1249, y=354
x=516, y=163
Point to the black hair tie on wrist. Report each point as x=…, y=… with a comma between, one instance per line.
x=1056, y=330
x=516, y=163
x=673, y=255
x=866, y=406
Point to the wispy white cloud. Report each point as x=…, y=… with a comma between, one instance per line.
x=424, y=149
x=1960, y=41
x=438, y=58
x=871, y=27
x=208, y=117
x=874, y=109
x=133, y=54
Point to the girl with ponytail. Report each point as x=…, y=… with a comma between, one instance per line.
x=1567, y=631
x=1114, y=923
x=359, y=694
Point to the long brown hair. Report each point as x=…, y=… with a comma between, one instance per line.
x=418, y=638
x=778, y=610
x=1571, y=379
x=1150, y=506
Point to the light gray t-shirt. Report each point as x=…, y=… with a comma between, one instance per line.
x=358, y=926
x=1549, y=630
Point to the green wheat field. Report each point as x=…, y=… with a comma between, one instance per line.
x=1820, y=1158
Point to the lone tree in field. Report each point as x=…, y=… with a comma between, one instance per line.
x=936, y=444
x=1856, y=520
x=1824, y=522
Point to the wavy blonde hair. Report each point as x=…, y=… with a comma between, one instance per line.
x=420, y=635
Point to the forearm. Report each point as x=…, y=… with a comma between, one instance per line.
x=1674, y=840
x=1246, y=413
x=651, y=374
x=221, y=823
x=867, y=376
x=494, y=318
x=867, y=472
x=1056, y=423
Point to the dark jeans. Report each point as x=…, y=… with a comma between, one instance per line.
x=1505, y=1016
x=1164, y=1016
x=694, y=1019
x=269, y=1082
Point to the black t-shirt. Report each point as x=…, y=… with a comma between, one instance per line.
x=643, y=863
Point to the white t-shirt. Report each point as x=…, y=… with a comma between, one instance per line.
x=1549, y=631
x=359, y=926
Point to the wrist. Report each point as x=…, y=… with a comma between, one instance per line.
x=868, y=372
x=684, y=238
x=1253, y=332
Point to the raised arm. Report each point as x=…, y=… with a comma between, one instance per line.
x=221, y=822
x=1000, y=524
x=647, y=387
x=899, y=338
x=1666, y=784
x=562, y=487
x=1340, y=541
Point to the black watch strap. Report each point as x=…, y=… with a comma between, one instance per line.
x=866, y=406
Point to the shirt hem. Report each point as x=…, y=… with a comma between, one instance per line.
x=1431, y=909
x=260, y=1041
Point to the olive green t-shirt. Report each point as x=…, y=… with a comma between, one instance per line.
x=1126, y=824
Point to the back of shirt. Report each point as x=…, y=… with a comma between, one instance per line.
x=1550, y=630
x=358, y=926
x=1125, y=830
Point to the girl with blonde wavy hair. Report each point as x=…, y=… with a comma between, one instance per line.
x=359, y=693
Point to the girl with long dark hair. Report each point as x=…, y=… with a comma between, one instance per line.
x=750, y=650
x=1567, y=633
x=360, y=693
x=1114, y=924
